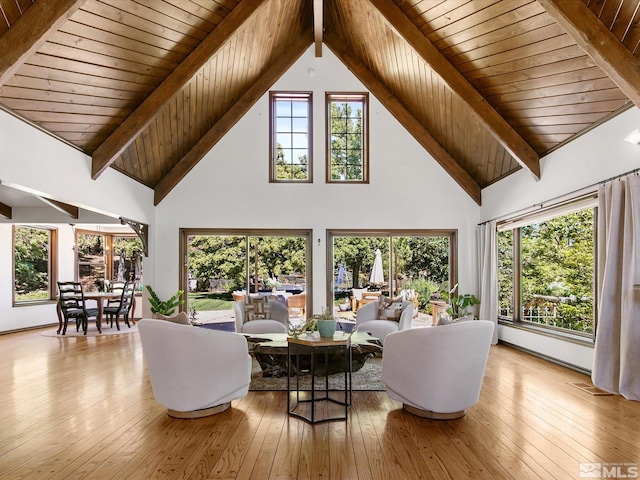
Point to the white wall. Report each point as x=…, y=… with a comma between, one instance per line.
x=594, y=157
x=230, y=187
x=34, y=161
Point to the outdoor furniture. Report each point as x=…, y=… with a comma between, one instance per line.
x=369, y=319
x=114, y=310
x=260, y=314
x=437, y=372
x=71, y=302
x=298, y=302
x=194, y=372
x=369, y=297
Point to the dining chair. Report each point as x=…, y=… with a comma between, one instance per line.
x=73, y=305
x=123, y=307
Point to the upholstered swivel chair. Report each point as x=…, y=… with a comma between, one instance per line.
x=194, y=372
x=271, y=318
x=368, y=319
x=437, y=372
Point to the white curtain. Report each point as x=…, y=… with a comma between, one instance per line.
x=616, y=363
x=487, y=242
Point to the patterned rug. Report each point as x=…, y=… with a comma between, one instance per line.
x=368, y=378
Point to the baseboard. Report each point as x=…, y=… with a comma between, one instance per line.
x=547, y=358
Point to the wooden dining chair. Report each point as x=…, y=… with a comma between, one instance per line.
x=123, y=307
x=73, y=306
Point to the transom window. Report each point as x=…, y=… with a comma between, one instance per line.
x=347, y=139
x=290, y=143
x=546, y=265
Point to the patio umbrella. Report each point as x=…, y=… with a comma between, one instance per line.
x=377, y=272
x=340, y=276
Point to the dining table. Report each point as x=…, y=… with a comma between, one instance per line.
x=99, y=297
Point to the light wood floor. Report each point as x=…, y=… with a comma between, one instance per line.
x=83, y=408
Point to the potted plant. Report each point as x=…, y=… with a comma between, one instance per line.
x=459, y=306
x=326, y=323
x=273, y=284
x=166, y=307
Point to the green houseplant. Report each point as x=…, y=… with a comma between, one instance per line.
x=459, y=306
x=164, y=307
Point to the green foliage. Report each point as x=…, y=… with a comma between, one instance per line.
x=31, y=263
x=166, y=307
x=346, y=140
x=204, y=301
x=216, y=256
x=298, y=170
x=557, y=260
x=424, y=288
x=459, y=305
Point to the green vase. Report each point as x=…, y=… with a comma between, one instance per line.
x=327, y=328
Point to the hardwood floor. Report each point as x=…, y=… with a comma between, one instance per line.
x=83, y=408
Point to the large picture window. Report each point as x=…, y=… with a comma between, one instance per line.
x=290, y=138
x=347, y=138
x=35, y=264
x=546, y=267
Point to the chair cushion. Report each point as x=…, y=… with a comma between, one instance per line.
x=257, y=307
x=181, y=318
x=389, y=308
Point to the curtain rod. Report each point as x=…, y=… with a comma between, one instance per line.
x=537, y=206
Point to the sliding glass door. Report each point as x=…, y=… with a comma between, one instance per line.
x=220, y=265
x=390, y=262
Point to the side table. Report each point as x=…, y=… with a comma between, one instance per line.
x=307, y=402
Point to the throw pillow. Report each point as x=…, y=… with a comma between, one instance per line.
x=181, y=318
x=389, y=308
x=257, y=307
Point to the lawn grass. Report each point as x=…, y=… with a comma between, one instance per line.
x=207, y=301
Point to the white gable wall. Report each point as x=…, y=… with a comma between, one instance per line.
x=230, y=186
x=594, y=157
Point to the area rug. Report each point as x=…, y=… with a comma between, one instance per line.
x=368, y=378
x=92, y=331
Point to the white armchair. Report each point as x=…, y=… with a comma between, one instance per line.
x=194, y=372
x=367, y=320
x=437, y=372
x=277, y=320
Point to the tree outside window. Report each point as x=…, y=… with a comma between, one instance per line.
x=347, y=139
x=34, y=264
x=290, y=138
x=552, y=285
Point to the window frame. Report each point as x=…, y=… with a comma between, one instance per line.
x=515, y=224
x=52, y=266
x=451, y=234
x=333, y=97
x=274, y=96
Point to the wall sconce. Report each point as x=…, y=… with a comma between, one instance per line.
x=633, y=137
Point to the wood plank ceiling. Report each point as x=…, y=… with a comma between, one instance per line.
x=488, y=87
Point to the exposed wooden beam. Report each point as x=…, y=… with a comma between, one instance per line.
x=318, y=25
x=622, y=67
x=65, y=208
x=520, y=150
x=5, y=211
x=30, y=31
x=231, y=117
x=140, y=118
x=398, y=110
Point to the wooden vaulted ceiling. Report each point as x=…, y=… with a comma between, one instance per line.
x=487, y=87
